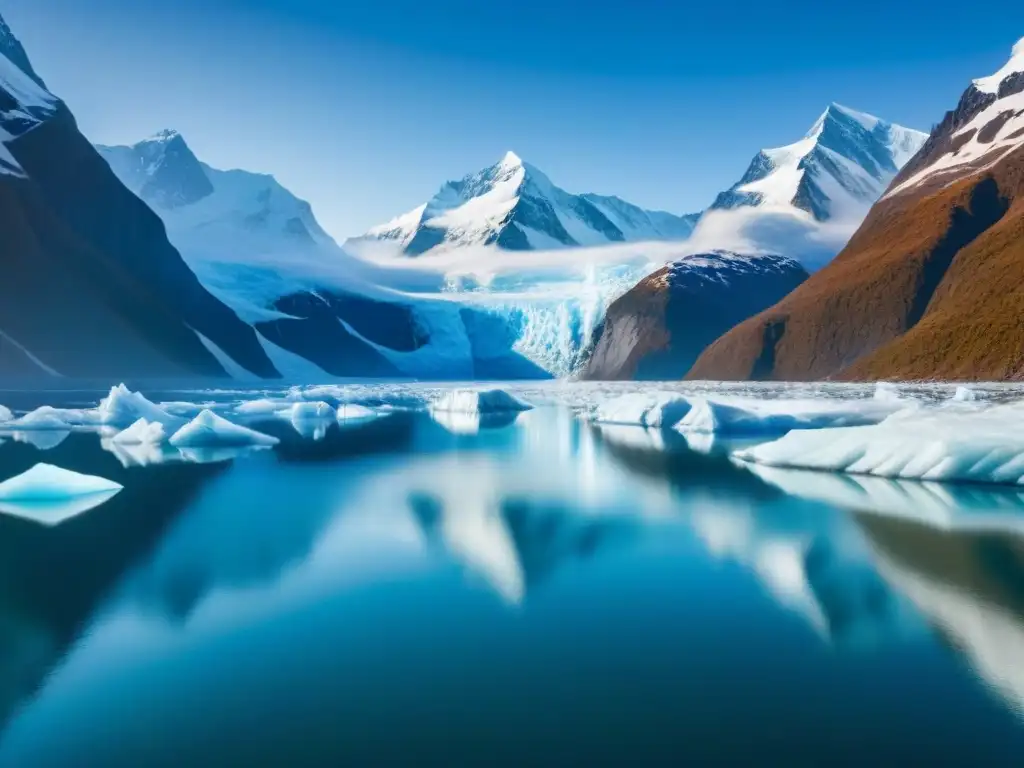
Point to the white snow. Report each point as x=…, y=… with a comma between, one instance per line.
x=645, y=409
x=474, y=211
x=974, y=155
x=122, y=406
x=982, y=446
x=991, y=83
x=210, y=430
x=142, y=432
x=479, y=401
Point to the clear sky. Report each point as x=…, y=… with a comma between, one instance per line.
x=365, y=107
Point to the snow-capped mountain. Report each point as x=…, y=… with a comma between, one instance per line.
x=928, y=286
x=14, y=51
x=260, y=249
x=91, y=286
x=986, y=127
x=513, y=205
x=202, y=205
x=806, y=199
x=836, y=171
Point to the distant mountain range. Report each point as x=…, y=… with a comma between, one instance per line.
x=928, y=287
x=827, y=181
x=515, y=206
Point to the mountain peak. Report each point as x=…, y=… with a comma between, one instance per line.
x=163, y=137
x=12, y=48
x=1014, y=66
x=511, y=160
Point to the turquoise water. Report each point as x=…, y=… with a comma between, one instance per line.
x=531, y=591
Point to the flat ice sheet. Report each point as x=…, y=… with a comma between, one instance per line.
x=963, y=443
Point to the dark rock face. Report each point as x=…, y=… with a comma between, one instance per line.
x=92, y=285
x=659, y=328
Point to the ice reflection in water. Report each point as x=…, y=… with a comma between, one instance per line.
x=574, y=585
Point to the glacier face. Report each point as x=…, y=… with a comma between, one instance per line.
x=515, y=206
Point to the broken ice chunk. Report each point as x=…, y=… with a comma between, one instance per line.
x=209, y=430
x=49, y=495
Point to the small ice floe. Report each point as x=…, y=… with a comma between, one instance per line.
x=50, y=495
x=643, y=409
x=479, y=401
x=142, y=432
x=210, y=430
x=122, y=407
x=981, y=446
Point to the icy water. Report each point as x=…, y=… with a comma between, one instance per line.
x=531, y=590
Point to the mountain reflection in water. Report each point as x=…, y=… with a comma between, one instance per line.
x=601, y=593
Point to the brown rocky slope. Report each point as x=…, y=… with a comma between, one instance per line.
x=929, y=286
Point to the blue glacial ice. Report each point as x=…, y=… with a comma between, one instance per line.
x=49, y=495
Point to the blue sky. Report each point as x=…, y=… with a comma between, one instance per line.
x=364, y=108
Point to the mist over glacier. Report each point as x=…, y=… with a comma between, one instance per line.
x=551, y=302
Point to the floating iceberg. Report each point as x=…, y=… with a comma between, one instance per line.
x=985, y=446
x=774, y=417
x=210, y=430
x=312, y=411
x=122, y=406
x=142, y=432
x=479, y=401
x=644, y=409
x=5, y=414
x=49, y=495
x=41, y=418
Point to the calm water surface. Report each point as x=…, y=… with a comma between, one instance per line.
x=535, y=591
